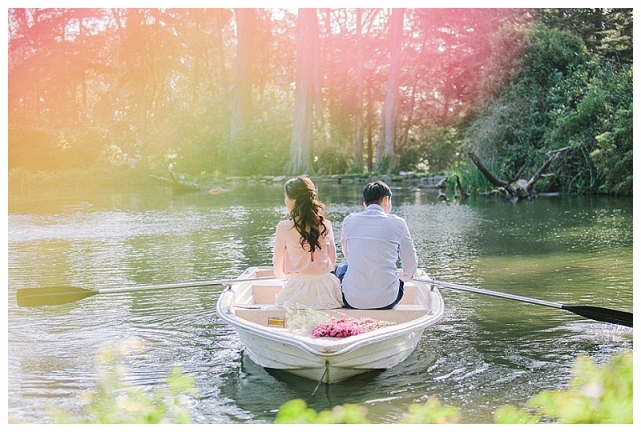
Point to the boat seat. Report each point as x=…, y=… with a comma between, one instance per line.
x=265, y=293
x=409, y=294
x=401, y=313
x=270, y=315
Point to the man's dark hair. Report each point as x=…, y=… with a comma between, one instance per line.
x=374, y=192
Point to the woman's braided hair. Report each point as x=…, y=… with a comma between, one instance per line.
x=308, y=213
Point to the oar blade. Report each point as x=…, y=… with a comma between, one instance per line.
x=55, y=295
x=602, y=314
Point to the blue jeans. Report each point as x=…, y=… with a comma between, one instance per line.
x=340, y=271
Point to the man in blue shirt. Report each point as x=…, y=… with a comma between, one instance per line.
x=372, y=241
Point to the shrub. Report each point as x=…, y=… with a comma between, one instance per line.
x=332, y=159
x=296, y=411
x=116, y=401
x=594, y=395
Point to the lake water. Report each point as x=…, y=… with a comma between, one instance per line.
x=485, y=353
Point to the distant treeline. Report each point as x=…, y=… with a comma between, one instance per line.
x=328, y=91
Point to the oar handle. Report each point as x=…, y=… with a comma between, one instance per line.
x=182, y=285
x=491, y=293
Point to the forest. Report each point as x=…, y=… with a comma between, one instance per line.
x=246, y=92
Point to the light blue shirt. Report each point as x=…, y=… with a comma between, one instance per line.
x=372, y=242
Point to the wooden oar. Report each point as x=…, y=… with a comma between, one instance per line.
x=56, y=295
x=593, y=312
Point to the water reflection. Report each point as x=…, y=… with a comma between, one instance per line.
x=486, y=352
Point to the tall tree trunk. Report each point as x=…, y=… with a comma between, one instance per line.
x=142, y=129
x=370, y=140
x=241, y=103
x=358, y=135
x=300, y=154
x=319, y=121
x=220, y=51
x=387, y=136
x=406, y=130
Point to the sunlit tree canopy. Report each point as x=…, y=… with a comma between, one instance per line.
x=268, y=91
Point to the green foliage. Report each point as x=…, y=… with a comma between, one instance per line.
x=613, y=159
x=383, y=165
x=262, y=149
x=410, y=159
x=599, y=127
x=441, y=148
x=508, y=45
x=188, y=139
x=36, y=148
x=357, y=171
x=437, y=150
x=562, y=96
x=254, y=153
x=551, y=54
x=121, y=176
x=332, y=159
x=431, y=412
x=594, y=395
x=612, y=155
x=296, y=411
x=509, y=414
x=472, y=180
x=159, y=84
x=117, y=402
x=607, y=33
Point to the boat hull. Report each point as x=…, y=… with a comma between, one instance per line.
x=326, y=359
x=329, y=368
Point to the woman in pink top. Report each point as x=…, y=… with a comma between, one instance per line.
x=304, y=251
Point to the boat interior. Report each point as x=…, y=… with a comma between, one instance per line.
x=254, y=302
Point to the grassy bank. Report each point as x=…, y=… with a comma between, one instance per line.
x=122, y=177
x=21, y=180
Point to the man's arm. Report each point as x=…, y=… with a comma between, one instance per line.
x=407, y=253
x=344, y=229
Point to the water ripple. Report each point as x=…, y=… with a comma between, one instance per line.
x=485, y=353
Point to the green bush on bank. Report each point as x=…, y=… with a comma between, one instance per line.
x=594, y=395
x=431, y=412
x=561, y=96
x=117, y=402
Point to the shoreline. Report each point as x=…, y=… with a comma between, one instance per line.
x=21, y=181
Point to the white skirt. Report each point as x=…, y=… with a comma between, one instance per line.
x=311, y=291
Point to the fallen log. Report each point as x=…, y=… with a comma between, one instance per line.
x=515, y=189
x=458, y=189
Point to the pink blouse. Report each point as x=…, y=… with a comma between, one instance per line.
x=289, y=257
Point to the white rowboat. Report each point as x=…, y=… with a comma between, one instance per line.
x=249, y=308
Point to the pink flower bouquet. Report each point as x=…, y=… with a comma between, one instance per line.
x=346, y=326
